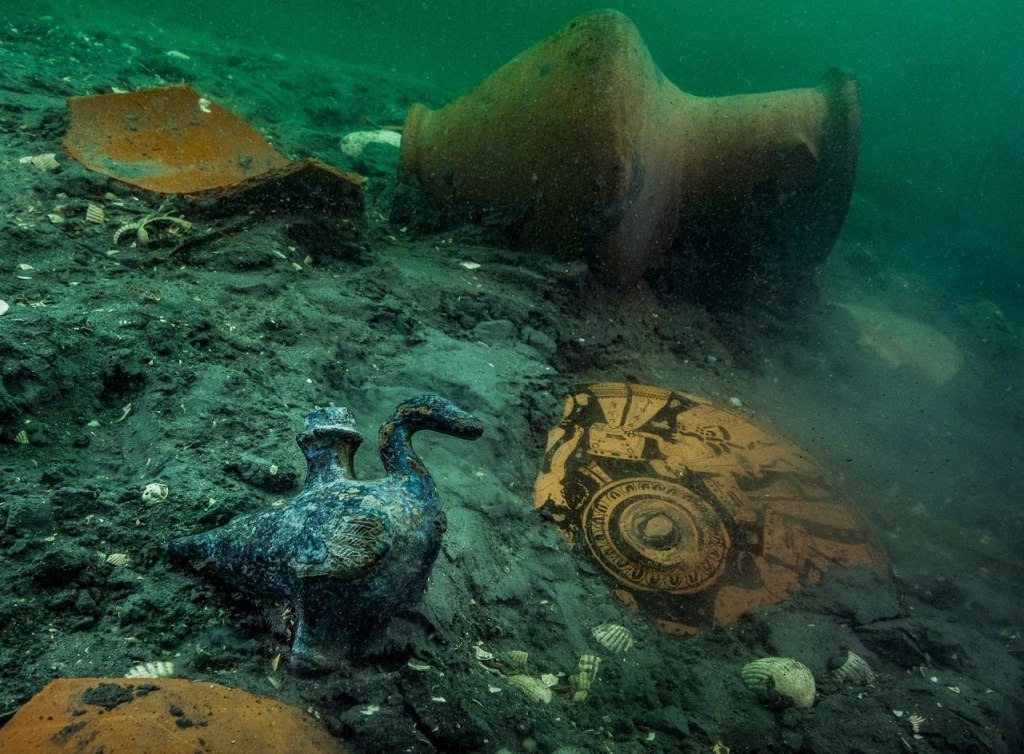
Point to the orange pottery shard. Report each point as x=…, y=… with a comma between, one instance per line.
x=581, y=146
x=172, y=140
x=696, y=513
x=159, y=716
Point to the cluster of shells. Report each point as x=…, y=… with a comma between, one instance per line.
x=781, y=682
x=512, y=666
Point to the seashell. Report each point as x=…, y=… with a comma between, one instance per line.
x=4, y=307
x=482, y=654
x=354, y=144
x=118, y=559
x=517, y=658
x=855, y=671
x=22, y=438
x=45, y=162
x=156, y=669
x=780, y=682
x=584, y=677
x=95, y=214
x=154, y=493
x=613, y=637
x=534, y=689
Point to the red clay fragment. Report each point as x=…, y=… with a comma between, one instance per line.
x=159, y=716
x=170, y=140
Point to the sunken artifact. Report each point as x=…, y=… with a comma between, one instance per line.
x=580, y=145
x=346, y=554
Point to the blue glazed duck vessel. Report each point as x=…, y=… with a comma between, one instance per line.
x=346, y=554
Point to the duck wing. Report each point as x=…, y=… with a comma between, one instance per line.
x=352, y=544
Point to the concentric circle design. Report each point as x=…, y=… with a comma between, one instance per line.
x=655, y=535
x=698, y=514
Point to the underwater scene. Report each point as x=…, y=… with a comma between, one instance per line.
x=521, y=378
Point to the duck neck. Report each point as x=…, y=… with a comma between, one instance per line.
x=399, y=458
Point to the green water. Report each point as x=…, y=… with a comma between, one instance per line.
x=941, y=179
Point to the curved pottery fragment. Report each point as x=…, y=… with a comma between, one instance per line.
x=582, y=146
x=119, y=715
x=173, y=140
x=696, y=513
x=780, y=682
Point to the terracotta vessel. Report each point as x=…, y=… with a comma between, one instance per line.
x=580, y=145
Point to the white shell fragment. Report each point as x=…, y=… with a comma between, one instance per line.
x=156, y=669
x=45, y=162
x=854, y=672
x=154, y=493
x=613, y=637
x=780, y=682
x=355, y=143
x=4, y=307
x=584, y=677
x=482, y=654
x=95, y=214
x=517, y=658
x=534, y=689
x=118, y=559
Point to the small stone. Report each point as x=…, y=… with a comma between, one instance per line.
x=26, y=515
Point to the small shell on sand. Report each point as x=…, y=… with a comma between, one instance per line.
x=155, y=669
x=613, y=637
x=855, y=671
x=534, y=689
x=780, y=682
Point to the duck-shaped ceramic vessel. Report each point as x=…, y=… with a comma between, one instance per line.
x=346, y=554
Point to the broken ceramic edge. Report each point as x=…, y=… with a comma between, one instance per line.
x=154, y=139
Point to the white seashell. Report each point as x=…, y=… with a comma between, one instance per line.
x=534, y=689
x=482, y=654
x=780, y=682
x=154, y=493
x=118, y=559
x=470, y=265
x=45, y=162
x=355, y=143
x=855, y=671
x=157, y=669
x=4, y=307
x=22, y=438
x=95, y=214
x=613, y=637
x=517, y=658
x=584, y=677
